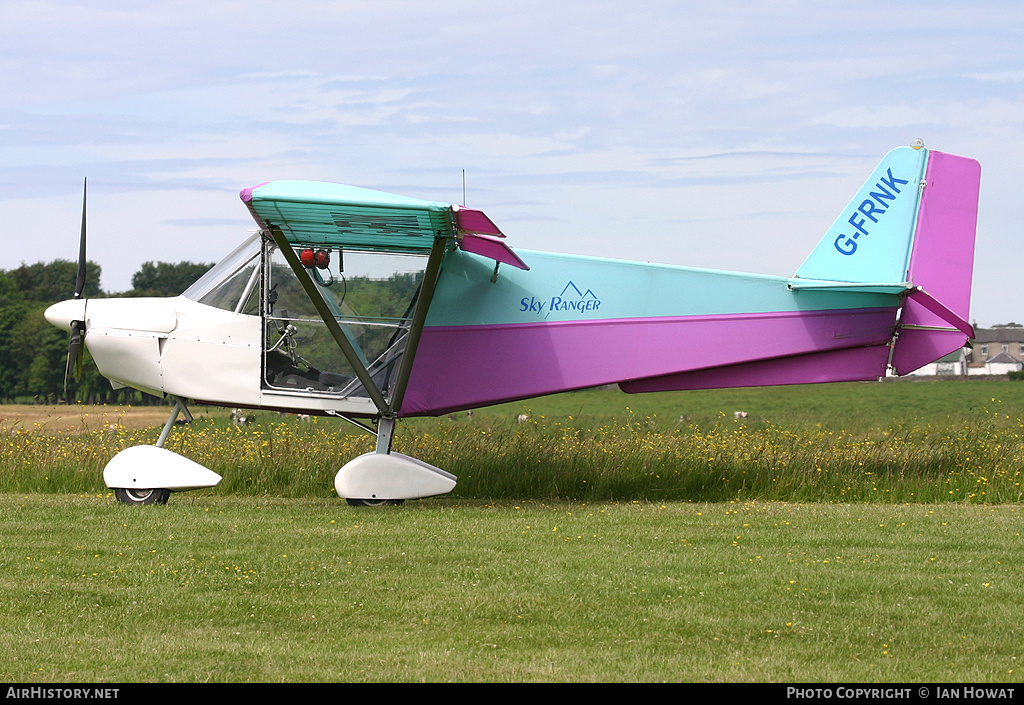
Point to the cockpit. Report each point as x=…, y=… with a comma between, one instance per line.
x=370, y=294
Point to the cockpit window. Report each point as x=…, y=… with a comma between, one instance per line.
x=233, y=284
x=371, y=295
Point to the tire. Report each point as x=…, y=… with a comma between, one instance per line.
x=373, y=502
x=135, y=496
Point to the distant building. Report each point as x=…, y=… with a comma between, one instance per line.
x=996, y=351
x=993, y=351
x=952, y=365
x=1001, y=364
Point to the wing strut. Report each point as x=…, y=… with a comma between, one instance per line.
x=419, y=315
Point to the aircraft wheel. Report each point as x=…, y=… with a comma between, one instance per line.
x=134, y=496
x=373, y=502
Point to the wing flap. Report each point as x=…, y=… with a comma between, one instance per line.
x=468, y=220
x=493, y=248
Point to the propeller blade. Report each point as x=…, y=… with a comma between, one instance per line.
x=73, y=367
x=80, y=280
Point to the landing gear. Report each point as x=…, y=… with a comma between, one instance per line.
x=373, y=502
x=148, y=474
x=135, y=496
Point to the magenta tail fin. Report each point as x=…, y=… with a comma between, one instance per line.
x=934, y=319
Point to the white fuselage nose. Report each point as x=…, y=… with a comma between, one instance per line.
x=61, y=314
x=170, y=345
x=122, y=335
x=176, y=346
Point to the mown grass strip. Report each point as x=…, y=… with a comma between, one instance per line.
x=237, y=589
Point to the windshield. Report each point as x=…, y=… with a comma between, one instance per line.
x=231, y=283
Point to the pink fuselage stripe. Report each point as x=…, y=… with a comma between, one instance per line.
x=462, y=367
x=843, y=365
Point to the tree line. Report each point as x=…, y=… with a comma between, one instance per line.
x=33, y=353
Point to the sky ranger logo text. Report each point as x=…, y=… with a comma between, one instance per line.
x=572, y=299
x=870, y=209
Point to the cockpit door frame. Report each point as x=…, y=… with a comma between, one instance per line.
x=384, y=407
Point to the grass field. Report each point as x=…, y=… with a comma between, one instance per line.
x=854, y=533
x=229, y=589
x=57, y=419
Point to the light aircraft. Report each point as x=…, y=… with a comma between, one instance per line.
x=370, y=307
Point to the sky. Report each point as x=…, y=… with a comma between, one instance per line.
x=720, y=135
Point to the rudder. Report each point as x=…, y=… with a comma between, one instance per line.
x=933, y=322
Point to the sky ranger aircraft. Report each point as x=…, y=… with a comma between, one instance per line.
x=371, y=307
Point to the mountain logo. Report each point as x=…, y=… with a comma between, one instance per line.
x=572, y=298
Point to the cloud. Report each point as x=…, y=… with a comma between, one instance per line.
x=693, y=124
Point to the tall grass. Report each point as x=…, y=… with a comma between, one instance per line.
x=284, y=458
x=603, y=451
x=728, y=460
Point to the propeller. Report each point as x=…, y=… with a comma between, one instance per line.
x=74, y=363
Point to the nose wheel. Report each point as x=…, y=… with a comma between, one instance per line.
x=136, y=496
x=373, y=502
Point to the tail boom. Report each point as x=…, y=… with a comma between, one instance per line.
x=500, y=363
x=900, y=297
